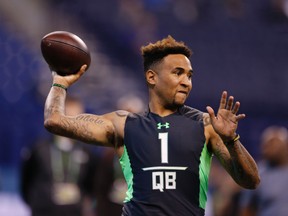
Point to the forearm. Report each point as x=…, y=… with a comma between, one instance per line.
x=87, y=128
x=54, y=108
x=243, y=168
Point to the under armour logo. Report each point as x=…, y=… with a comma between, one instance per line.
x=166, y=125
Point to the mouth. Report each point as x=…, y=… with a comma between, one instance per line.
x=183, y=92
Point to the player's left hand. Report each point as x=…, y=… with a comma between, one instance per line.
x=226, y=121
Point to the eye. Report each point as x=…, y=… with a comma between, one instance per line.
x=178, y=72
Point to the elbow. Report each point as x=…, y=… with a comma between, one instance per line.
x=256, y=182
x=51, y=125
x=252, y=183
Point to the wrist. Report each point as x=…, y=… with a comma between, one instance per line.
x=60, y=80
x=232, y=141
x=58, y=85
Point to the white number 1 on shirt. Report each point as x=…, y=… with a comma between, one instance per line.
x=164, y=146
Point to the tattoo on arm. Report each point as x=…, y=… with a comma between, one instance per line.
x=245, y=158
x=206, y=120
x=85, y=127
x=242, y=167
x=232, y=165
x=55, y=102
x=121, y=113
x=90, y=118
x=237, y=169
x=223, y=155
x=75, y=129
x=79, y=128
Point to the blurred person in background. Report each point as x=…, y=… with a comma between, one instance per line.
x=57, y=176
x=166, y=152
x=271, y=197
x=224, y=192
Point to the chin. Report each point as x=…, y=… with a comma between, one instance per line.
x=178, y=104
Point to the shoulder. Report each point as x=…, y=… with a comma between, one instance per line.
x=212, y=138
x=191, y=112
x=122, y=116
x=122, y=113
x=206, y=119
x=118, y=119
x=116, y=116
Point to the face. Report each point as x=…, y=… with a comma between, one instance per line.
x=274, y=146
x=73, y=108
x=172, y=81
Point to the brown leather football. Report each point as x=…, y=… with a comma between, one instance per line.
x=65, y=52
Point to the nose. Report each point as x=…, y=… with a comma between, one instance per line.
x=186, y=80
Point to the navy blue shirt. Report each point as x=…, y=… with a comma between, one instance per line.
x=166, y=164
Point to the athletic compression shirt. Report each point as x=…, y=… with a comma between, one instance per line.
x=166, y=164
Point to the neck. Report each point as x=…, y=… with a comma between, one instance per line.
x=161, y=110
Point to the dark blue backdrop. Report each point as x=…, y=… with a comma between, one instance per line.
x=246, y=55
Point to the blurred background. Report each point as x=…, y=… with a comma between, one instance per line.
x=238, y=45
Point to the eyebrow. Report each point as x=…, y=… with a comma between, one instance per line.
x=180, y=68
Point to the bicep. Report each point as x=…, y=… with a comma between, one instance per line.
x=88, y=128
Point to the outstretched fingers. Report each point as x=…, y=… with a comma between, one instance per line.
x=240, y=117
x=230, y=103
x=236, y=107
x=211, y=112
x=223, y=100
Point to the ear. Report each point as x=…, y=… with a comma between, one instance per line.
x=150, y=77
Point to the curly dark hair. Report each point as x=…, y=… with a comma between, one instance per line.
x=154, y=53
